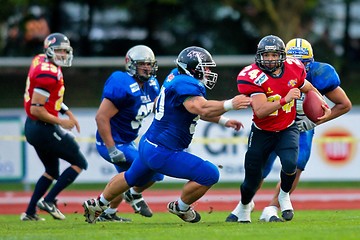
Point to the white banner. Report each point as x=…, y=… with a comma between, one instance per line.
x=334, y=156
x=11, y=149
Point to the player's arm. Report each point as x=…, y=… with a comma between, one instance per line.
x=307, y=86
x=342, y=103
x=263, y=108
x=224, y=121
x=211, y=108
x=105, y=112
x=72, y=118
x=38, y=110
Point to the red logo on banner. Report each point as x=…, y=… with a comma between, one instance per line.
x=337, y=146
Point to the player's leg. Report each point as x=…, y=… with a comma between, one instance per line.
x=64, y=146
x=305, y=143
x=287, y=150
x=260, y=146
x=138, y=174
x=36, y=133
x=182, y=165
x=134, y=195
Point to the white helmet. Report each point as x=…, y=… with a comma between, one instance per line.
x=140, y=54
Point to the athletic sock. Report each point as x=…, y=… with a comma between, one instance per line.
x=65, y=179
x=182, y=206
x=41, y=187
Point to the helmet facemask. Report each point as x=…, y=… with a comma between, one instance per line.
x=58, y=50
x=270, y=44
x=147, y=72
x=61, y=56
x=141, y=58
x=208, y=78
x=201, y=72
x=270, y=65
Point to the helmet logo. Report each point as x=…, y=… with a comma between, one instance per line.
x=273, y=48
x=196, y=54
x=298, y=51
x=50, y=41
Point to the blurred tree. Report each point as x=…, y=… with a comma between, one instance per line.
x=284, y=18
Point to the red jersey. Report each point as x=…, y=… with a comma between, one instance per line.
x=252, y=80
x=47, y=79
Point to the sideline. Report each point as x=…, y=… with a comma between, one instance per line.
x=215, y=200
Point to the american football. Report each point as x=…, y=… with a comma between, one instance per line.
x=312, y=106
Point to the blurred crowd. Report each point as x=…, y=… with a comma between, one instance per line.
x=25, y=34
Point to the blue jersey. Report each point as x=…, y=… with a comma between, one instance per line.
x=323, y=76
x=173, y=126
x=134, y=104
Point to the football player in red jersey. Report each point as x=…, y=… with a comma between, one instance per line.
x=273, y=82
x=45, y=131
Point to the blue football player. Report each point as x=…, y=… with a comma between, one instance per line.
x=162, y=149
x=324, y=77
x=128, y=97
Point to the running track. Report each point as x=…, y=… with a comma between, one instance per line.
x=214, y=200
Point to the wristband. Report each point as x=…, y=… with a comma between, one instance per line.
x=283, y=102
x=64, y=108
x=223, y=120
x=228, y=105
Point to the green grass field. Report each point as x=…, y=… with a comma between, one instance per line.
x=327, y=225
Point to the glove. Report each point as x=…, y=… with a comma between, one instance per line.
x=116, y=156
x=304, y=124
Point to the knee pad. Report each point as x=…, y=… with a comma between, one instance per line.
x=208, y=174
x=158, y=177
x=80, y=161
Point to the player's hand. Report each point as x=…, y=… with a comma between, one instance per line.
x=241, y=102
x=116, y=155
x=304, y=124
x=232, y=123
x=67, y=124
x=294, y=93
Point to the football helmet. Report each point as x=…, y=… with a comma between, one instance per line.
x=58, y=50
x=141, y=54
x=196, y=62
x=268, y=44
x=301, y=49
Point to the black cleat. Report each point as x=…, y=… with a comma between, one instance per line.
x=231, y=218
x=287, y=214
x=104, y=217
x=275, y=219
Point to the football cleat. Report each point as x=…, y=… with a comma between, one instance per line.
x=92, y=209
x=285, y=205
x=189, y=215
x=105, y=217
x=233, y=216
x=138, y=203
x=245, y=213
x=34, y=217
x=287, y=215
x=269, y=214
x=51, y=208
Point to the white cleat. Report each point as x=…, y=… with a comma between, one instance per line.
x=287, y=210
x=269, y=214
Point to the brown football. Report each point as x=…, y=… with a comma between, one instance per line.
x=312, y=106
